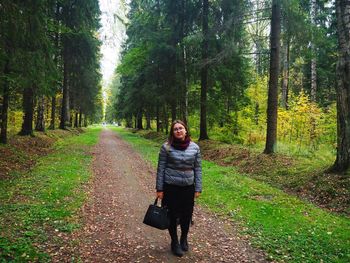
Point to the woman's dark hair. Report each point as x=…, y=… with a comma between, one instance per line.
x=171, y=133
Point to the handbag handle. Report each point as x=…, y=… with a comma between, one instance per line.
x=156, y=201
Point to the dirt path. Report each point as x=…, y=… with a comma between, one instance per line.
x=121, y=191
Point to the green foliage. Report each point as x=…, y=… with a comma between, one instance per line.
x=305, y=128
x=45, y=200
x=55, y=40
x=82, y=54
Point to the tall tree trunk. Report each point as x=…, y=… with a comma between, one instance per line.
x=53, y=113
x=40, y=121
x=173, y=110
x=313, y=79
x=203, y=135
x=272, y=101
x=66, y=50
x=166, y=119
x=80, y=117
x=76, y=119
x=157, y=117
x=65, y=120
x=313, y=86
x=285, y=74
x=57, y=47
x=148, y=120
x=28, y=109
x=5, y=105
x=139, y=120
x=184, y=81
x=185, y=89
x=342, y=162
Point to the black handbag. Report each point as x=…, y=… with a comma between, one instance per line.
x=157, y=216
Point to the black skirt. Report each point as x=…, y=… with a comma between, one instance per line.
x=179, y=200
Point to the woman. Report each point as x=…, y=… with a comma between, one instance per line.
x=179, y=181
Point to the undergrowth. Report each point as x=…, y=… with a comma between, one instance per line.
x=40, y=205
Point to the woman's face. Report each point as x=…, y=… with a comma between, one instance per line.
x=179, y=131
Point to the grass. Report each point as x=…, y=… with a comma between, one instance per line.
x=287, y=228
x=41, y=204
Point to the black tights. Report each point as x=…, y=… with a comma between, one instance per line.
x=185, y=221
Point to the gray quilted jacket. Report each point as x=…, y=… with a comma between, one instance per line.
x=178, y=167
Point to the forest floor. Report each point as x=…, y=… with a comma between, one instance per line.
x=22, y=152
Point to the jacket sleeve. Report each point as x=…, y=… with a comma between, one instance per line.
x=162, y=162
x=198, y=172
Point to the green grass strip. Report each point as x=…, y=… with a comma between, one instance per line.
x=45, y=200
x=287, y=228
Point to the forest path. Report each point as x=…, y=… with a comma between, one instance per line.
x=120, y=193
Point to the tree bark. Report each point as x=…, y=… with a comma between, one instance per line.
x=5, y=105
x=173, y=110
x=40, y=121
x=57, y=40
x=80, y=117
x=203, y=135
x=166, y=119
x=53, y=113
x=65, y=100
x=157, y=117
x=272, y=101
x=76, y=119
x=342, y=162
x=28, y=109
x=184, y=81
x=148, y=120
x=65, y=110
x=313, y=79
x=285, y=75
x=313, y=87
x=138, y=120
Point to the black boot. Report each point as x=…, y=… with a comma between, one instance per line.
x=176, y=249
x=184, y=243
x=185, y=226
x=175, y=246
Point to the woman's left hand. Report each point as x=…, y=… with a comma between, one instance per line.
x=197, y=194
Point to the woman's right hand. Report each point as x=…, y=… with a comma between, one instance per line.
x=160, y=195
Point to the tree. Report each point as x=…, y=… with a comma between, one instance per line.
x=11, y=23
x=5, y=105
x=36, y=54
x=342, y=162
x=203, y=135
x=272, y=103
x=57, y=57
x=313, y=79
x=80, y=57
